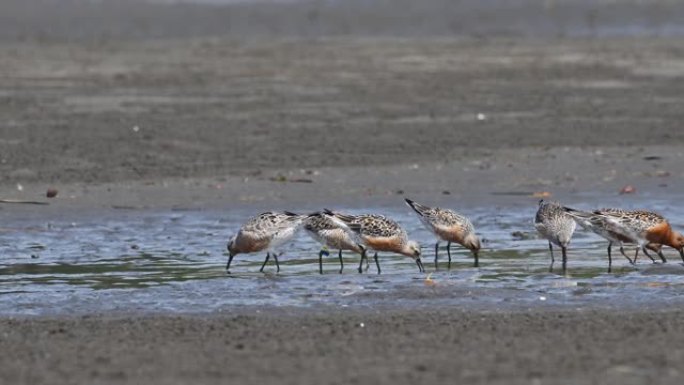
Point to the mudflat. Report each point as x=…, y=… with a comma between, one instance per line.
x=348, y=346
x=147, y=112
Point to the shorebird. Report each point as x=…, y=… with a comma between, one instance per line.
x=646, y=228
x=266, y=231
x=333, y=235
x=449, y=226
x=556, y=226
x=607, y=229
x=379, y=233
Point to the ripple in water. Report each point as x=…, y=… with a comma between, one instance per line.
x=174, y=262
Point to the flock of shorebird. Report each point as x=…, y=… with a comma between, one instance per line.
x=360, y=233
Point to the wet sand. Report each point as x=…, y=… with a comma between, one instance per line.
x=208, y=119
x=331, y=347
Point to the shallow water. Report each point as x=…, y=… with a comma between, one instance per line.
x=174, y=261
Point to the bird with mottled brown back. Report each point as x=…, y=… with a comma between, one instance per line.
x=449, y=226
x=600, y=225
x=379, y=233
x=332, y=235
x=554, y=224
x=266, y=231
x=647, y=227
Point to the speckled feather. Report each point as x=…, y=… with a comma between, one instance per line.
x=331, y=234
x=635, y=222
x=372, y=225
x=554, y=224
x=272, y=228
x=438, y=219
x=600, y=225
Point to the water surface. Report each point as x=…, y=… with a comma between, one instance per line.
x=174, y=261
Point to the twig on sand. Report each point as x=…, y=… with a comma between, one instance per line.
x=20, y=201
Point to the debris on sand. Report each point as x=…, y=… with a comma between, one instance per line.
x=628, y=189
x=51, y=192
x=19, y=201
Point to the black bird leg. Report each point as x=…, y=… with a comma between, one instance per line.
x=610, y=257
x=363, y=256
x=320, y=259
x=647, y=254
x=377, y=263
x=341, y=262
x=622, y=250
x=275, y=256
x=565, y=257
x=268, y=256
x=230, y=259
x=437, y=252
x=449, y=255
x=662, y=257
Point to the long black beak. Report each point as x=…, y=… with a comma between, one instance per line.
x=681, y=253
x=420, y=265
x=230, y=259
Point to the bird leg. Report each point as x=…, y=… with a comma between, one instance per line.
x=565, y=257
x=377, y=263
x=436, y=254
x=320, y=259
x=449, y=255
x=476, y=254
x=341, y=262
x=622, y=250
x=275, y=256
x=363, y=256
x=552, y=259
x=230, y=259
x=610, y=257
x=662, y=257
x=647, y=254
x=420, y=265
x=268, y=256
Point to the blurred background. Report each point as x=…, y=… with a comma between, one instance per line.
x=114, y=90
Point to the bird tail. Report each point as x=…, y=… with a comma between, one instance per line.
x=343, y=220
x=342, y=217
x=579, y=214
x=417, y=207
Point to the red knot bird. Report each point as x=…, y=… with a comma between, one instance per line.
x=552, y=222
x=379, y=233
x=266, y=231
x=646, y=228
x=449, y=226
x=331, y=234
x=605, y=228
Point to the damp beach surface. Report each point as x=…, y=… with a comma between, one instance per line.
x=152, y=261
x=163, y=127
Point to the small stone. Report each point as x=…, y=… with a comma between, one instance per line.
x=629, y=189
x=51, y=192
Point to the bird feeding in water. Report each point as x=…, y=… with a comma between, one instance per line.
x=554, y=224
x=333, y=235
x=379, y=233
x=599, y=224
x=266, y=231
x=449, y=226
